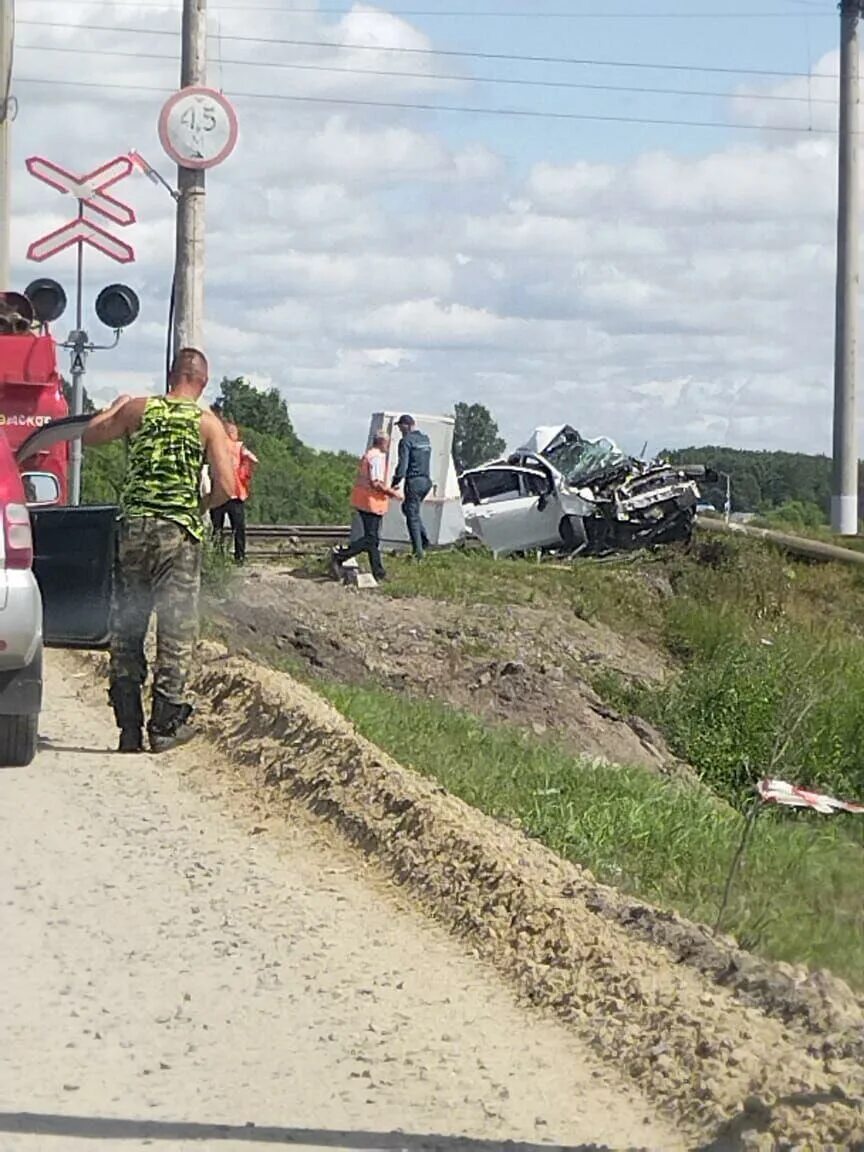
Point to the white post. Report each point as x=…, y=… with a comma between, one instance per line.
x=844, y=499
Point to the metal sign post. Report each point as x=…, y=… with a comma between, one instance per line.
x=89, y=191
x=198, y=130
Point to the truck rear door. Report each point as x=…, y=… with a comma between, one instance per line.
x=74, y=550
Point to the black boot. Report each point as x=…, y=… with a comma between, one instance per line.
x=169, y=724
x=125, y=697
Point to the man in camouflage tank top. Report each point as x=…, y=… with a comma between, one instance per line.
x=158, y=563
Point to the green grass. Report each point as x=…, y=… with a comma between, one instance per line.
x=798, y=895
x=769, y=653
x=769, y=650
x=217, y=569
x=609, y=592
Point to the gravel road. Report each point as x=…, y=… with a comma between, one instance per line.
x=177, y=976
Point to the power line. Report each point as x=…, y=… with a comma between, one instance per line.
x=450, y=13
x=439, y=76
x=531, y=113
x=462, y=54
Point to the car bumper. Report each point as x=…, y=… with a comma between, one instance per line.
x=21, y=689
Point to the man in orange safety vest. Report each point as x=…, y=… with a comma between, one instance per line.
x=244, y=463
x=370, y=498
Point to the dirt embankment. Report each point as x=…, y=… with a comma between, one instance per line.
x=741, y=1051
x=525, y=666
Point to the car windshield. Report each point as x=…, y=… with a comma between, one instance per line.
x=577, y=459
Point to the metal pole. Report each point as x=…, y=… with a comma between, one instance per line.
x=79, y=368
x=844, y=499
x=189, y=266
x=7, y=36
x=727, y=507
x=79, y=363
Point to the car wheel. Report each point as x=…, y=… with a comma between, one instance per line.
x=18, y=736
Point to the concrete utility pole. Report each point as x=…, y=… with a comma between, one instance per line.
x=189, y=268
x=7, y=36
x=844, y=499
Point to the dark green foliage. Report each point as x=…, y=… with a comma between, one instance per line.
x=293, y=484
x=475, y=437
x=249, y=407
x=764, y=480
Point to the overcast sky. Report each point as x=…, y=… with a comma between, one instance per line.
x=663, y=282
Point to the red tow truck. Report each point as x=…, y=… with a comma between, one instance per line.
x=73, y=547
x=31, y=395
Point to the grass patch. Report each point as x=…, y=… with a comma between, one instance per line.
x=769, y=650
x=670, y=844
x=771, y=674
x=611, y=593
x=217, y=569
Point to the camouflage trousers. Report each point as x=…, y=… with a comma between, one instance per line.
x=158, y=569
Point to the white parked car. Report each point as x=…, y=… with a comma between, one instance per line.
x=21, y=616
x=562, y=491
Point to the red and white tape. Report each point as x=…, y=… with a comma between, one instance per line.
x=790, y=796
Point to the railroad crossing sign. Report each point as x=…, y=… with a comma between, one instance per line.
x=81, y=231
x=89, y=190
x=198, y=128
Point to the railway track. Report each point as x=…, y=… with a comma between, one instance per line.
x=271, y=541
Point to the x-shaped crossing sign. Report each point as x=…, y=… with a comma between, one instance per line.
x=89, y=190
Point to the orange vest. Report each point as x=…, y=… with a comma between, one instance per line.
x=242, y=471
x=363, y=496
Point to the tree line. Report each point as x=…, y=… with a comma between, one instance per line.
x=295, y=484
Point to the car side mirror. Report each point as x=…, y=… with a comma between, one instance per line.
x=40, y=488
x=542, y=503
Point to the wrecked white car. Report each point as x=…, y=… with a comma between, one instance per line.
x=563, y=492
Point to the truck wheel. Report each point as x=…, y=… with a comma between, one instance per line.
x=18, y=736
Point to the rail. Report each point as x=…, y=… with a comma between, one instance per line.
x=273, y=541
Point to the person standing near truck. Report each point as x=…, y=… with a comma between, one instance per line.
x=414, y=470
x=158, y=562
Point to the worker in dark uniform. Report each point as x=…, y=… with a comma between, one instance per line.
x=159, y=554
x=414, y=471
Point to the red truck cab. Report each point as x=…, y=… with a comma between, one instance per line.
x=31, y=396
x=73, y=547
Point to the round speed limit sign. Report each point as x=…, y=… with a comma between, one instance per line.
x=198, y=128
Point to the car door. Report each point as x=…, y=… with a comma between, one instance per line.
x=73, y=550
x=510, y=509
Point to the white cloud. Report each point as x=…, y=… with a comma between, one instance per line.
x=358, y=258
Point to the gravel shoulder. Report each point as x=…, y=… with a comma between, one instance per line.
x=182, y=970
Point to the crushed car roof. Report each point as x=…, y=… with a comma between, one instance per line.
x=542, y=437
